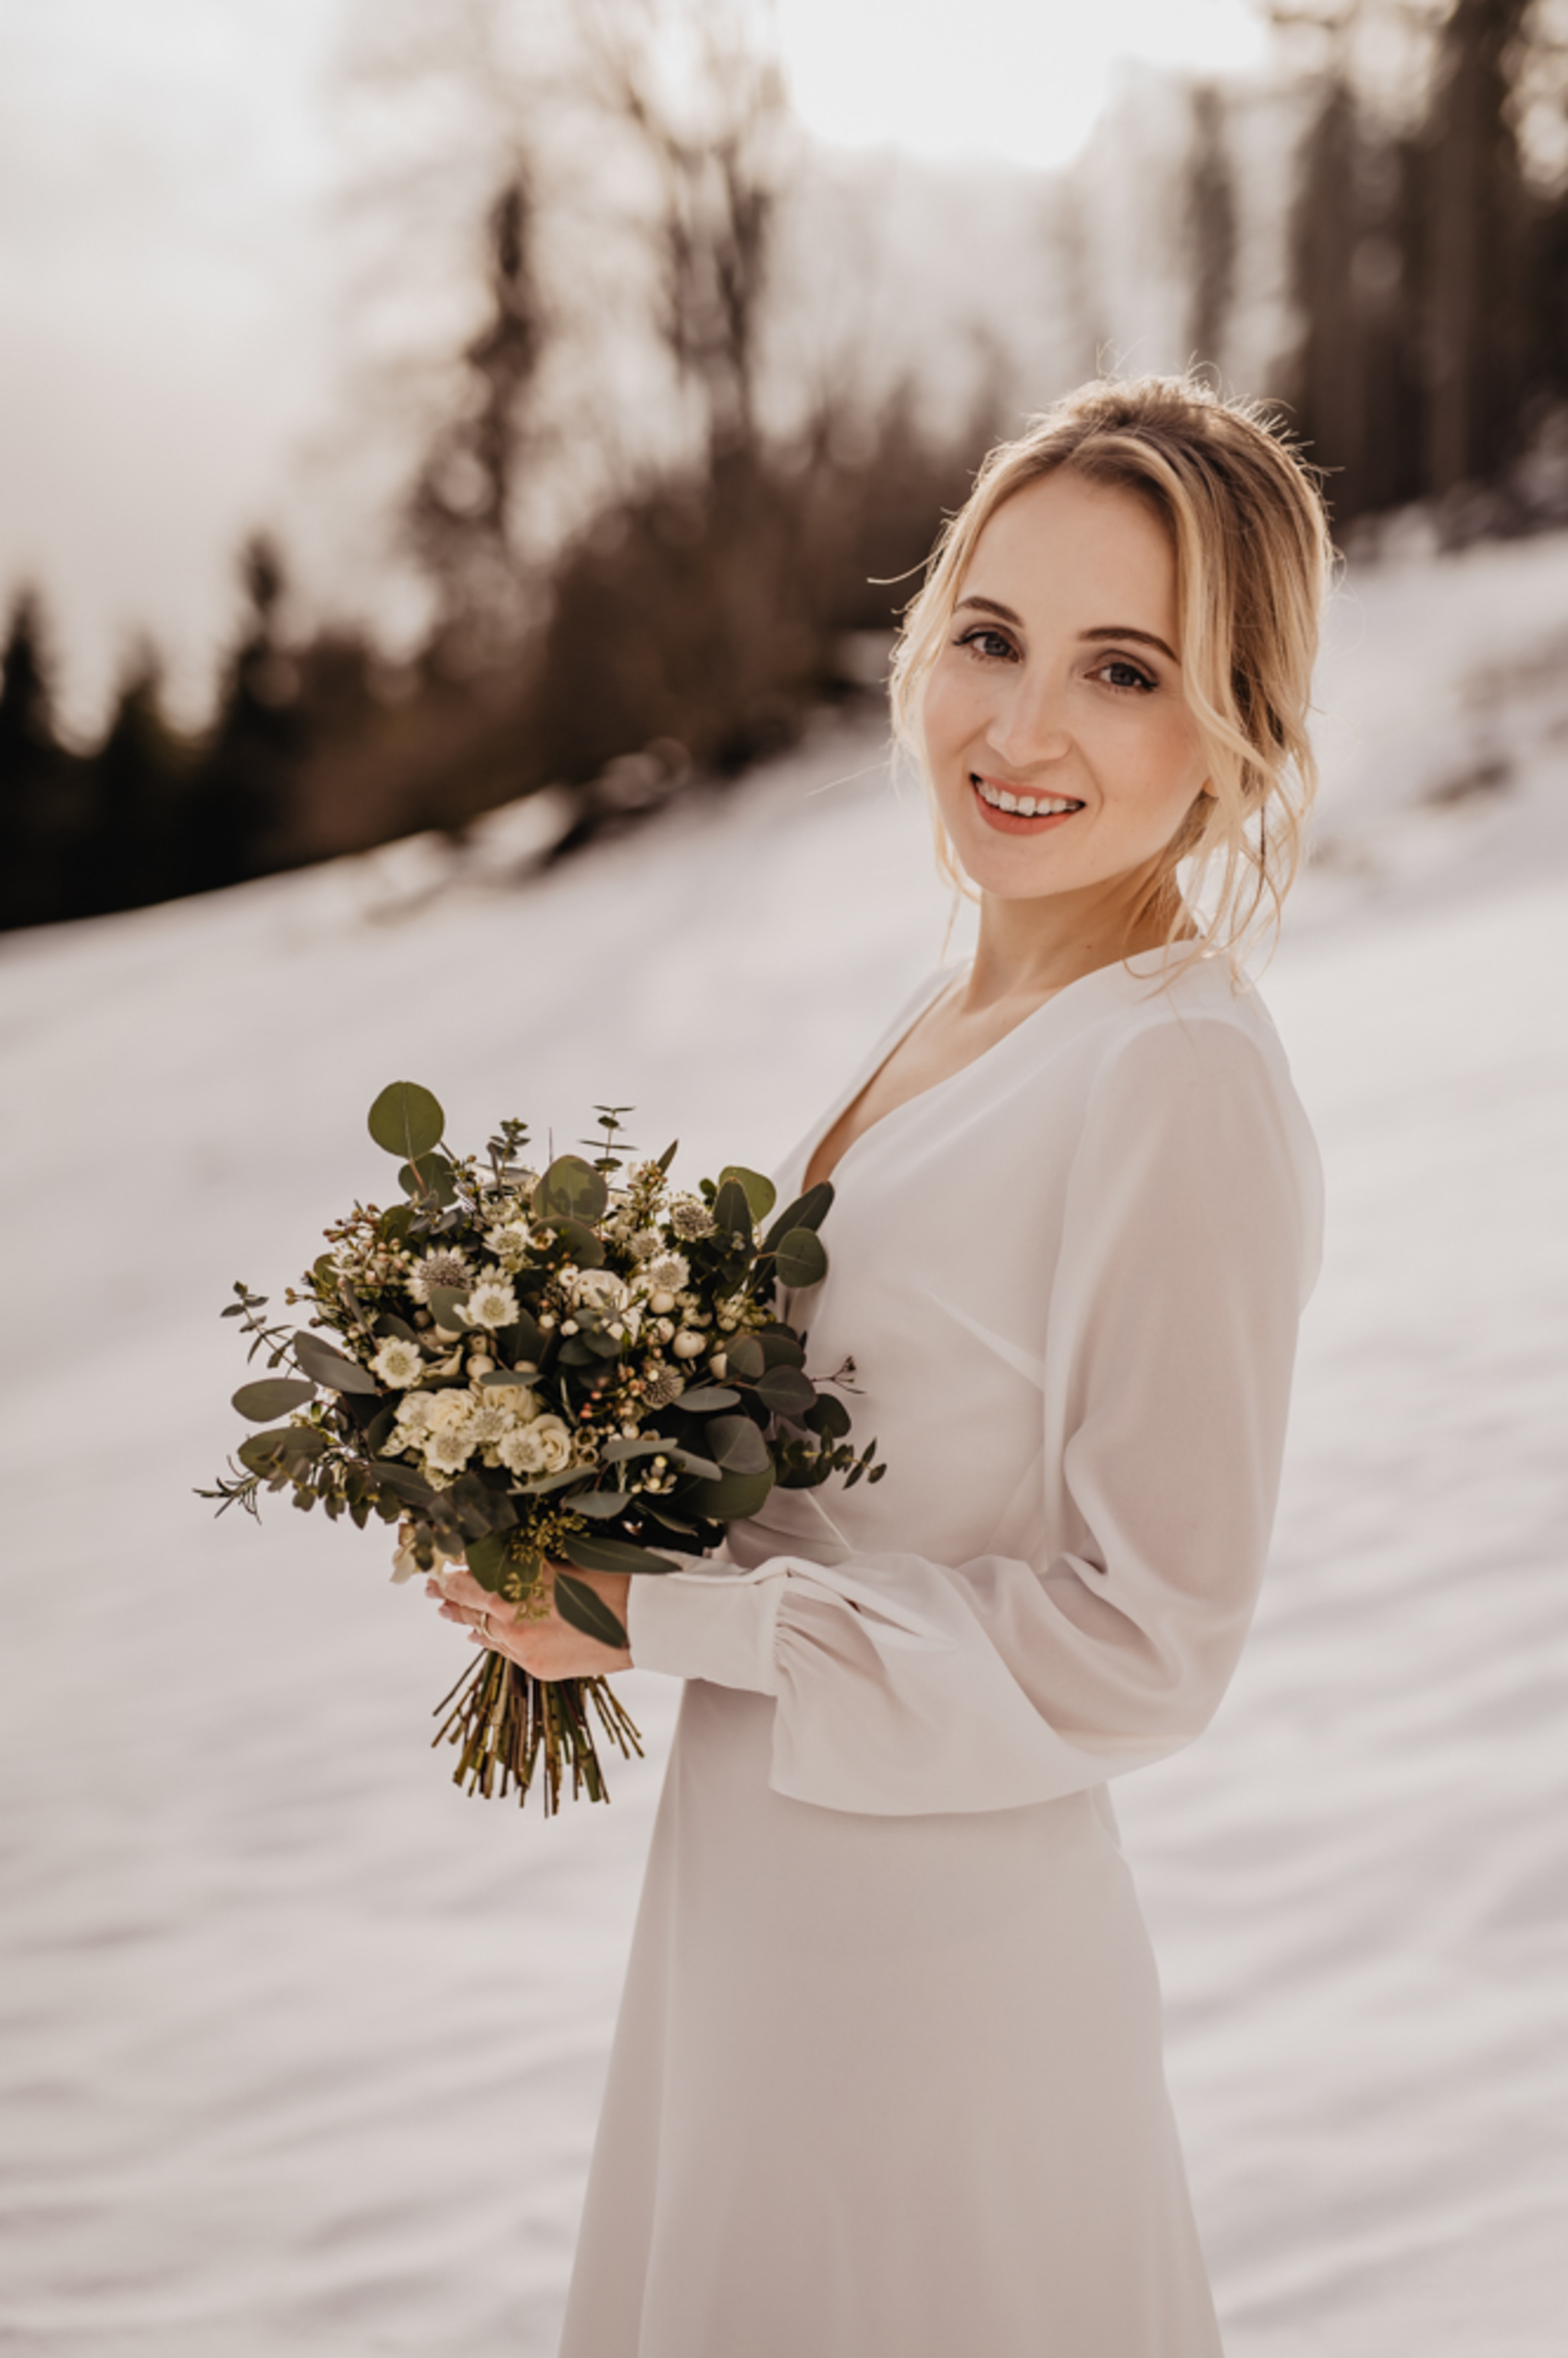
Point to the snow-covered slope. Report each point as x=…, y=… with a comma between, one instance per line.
x=302, y=2049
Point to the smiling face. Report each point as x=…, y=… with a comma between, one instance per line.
x=1060, y=746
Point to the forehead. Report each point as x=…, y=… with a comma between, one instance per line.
x=1064, y=538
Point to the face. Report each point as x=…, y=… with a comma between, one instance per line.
x=1060, y=746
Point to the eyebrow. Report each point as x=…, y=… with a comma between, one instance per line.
x=1104, y=630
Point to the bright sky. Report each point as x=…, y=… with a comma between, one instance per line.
x=1020, y=79
x=168, y=296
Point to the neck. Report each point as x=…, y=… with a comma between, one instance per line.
x=1028, y=949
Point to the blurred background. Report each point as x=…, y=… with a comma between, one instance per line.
x=461, y=463
x=410, y=408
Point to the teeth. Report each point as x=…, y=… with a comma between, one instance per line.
x=1026, y=806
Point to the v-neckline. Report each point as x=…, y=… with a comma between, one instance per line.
x=882, y=1054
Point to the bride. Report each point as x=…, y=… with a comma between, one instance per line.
x=887, y=2082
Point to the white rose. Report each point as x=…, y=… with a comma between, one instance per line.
x=545, y=1446
x=449, y=1412
x=599, y=1289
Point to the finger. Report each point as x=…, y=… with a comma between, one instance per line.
x=459, y=1586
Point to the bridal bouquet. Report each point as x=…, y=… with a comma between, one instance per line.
x=580, y=1364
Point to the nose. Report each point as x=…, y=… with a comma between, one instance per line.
x=1028, y=726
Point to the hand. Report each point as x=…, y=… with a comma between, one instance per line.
x=548, y=1647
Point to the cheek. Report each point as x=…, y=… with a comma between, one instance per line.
x=947, y=710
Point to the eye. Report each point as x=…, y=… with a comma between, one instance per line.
x=1126, y=678
x=987, y=642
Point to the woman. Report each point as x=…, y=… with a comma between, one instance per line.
x=888, y=2081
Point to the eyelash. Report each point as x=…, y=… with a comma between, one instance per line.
x=1145, y=683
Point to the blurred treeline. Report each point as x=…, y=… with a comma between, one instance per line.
x=710, y=598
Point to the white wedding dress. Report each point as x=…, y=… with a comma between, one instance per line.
x=887, y=2082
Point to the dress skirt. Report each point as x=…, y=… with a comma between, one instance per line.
x=882, y=2086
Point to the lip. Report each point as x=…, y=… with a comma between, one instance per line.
x=1012, y=822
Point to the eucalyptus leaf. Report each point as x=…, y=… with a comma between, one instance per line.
x=737, y=1445
x=585, y=1247
x=644, y=1445
x=526, y=1338
x=445, y=1305
x=745, y=1357
x=703, y=1397
x=543, y=1483
x=727, y=1499
x=807, y=1211
x=571, y=1189
x=761, y=1194
x=404, y=1480
x=598, y=1503
x=786, y=1390
x=690, y=1463
x=259, y=1452
x=432, y=1178
x=593, y=1554
x=799, y=1259
x=406, y=1121
x=732, y=1210
x=585, y=1610
x=489, y=1558
x=274, y=1396
x=830, y=1418
x=323, y=1365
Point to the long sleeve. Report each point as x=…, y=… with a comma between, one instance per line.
x=1188, y=1239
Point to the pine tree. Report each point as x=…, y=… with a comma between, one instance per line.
x=35, y=774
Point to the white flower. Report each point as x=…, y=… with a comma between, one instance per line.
x=691, y=1218
x=405, y=1562
x=543, y=1447
x=492, y=1302
x=449, y=1412
x=449, y=1449
x=417, y=1412
x=490, y=1422
x=599, y=1288
x=643, y=1243
x=668, y=1274
x=509, y=1240
x=445, y=1265
x=398, y=1363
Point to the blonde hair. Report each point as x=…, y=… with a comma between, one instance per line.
x=1250, y=538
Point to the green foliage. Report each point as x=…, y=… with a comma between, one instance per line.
x=585, y=1610
x=323, y=1365
x=761, y=1194
x=406, y=1121
x=799, y=1259
x=274, y=1396
x=571, y=1190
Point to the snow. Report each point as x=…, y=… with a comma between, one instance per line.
x=301, y=2047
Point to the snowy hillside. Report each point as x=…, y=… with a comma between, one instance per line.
x=301, y=2048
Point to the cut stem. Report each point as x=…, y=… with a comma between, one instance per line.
x=510, y=1728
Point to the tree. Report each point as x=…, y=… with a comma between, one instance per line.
x=461, y=518
x=237, y=811
x=716, y=162
x=127, y=852
x=35, y=774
